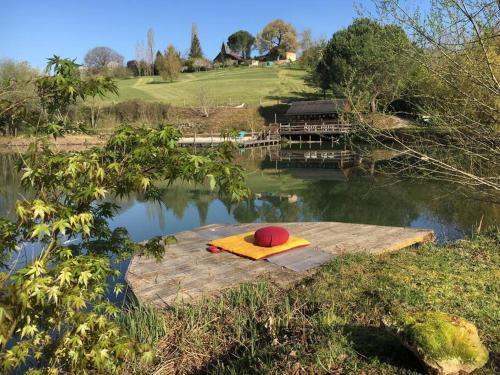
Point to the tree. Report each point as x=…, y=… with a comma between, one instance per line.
x=140, y=57
x=195, y=51
x=100, y=58
x=241, y=42
x=62, y=86
x=19, y=102
x=150, y=51
x=367, y=57
x=310, y=59
x=158, y=62
x=171, y=64
x=279, y=36
x=55, y=313
x=306, y=40
x=454, y=91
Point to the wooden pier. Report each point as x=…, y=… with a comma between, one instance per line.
x=313, y=128
x=188, y=271
x=243, y=142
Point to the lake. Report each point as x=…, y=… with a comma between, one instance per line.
x=294, y=185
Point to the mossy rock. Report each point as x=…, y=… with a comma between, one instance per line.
x=445, y=344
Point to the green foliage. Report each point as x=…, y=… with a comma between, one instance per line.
x=241, y=42
x=157, y=63
x=171, y=64
x=195, y=51
x=54, y=311
x=62, y=86
x=366, y=61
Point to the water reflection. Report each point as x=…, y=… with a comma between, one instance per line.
x=293, y=185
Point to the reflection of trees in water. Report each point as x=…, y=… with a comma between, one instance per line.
x=202, y=199
x=268, y=209
x=359, y=201
x=177, y=199
x=387, y=202
x=381, y=201
x=10, y=189
x=246, y=212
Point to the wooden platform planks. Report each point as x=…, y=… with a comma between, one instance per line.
x=188, y=271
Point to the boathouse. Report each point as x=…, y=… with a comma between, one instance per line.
x=314, y=117
x=316, y=110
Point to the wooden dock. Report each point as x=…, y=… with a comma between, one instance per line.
x=243, y=142
x=188, y=271
x=313, y=128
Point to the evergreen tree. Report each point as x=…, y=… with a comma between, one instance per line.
x=157, y=63
x=195, y=52
x=241, y=42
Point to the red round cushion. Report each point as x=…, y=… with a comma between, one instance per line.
x=271, y=236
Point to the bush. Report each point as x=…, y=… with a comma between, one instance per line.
x=138, y=111
x=197, y=65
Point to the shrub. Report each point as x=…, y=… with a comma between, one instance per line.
x=138, y=111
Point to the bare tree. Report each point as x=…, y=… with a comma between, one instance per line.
x=99, y=58
x=205, y=101
x=139, y=57
x=150, y=51
x=306, y=39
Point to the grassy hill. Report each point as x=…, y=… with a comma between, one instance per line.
x=255, y=85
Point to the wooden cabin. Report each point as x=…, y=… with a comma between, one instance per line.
x=316, y=110
x=314, y=117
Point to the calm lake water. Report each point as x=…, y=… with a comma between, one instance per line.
x=293, y=185
x=290, y=186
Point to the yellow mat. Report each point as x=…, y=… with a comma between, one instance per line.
x=243, y=244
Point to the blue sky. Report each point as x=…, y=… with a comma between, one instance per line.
x=34, y=30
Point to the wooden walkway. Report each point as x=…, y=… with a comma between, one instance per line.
x=209, y=141
x=188, y=271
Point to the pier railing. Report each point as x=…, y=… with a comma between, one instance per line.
x=310, y=127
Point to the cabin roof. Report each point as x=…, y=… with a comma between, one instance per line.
x=316, y=107
x=228, y=53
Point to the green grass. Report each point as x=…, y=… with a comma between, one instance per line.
x=332, y=322
x=253, y=85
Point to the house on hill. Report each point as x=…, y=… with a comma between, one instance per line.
x=227, y=55
x=278, y=57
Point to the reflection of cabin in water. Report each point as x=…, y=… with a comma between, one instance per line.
x=331, y=165
x=315, y=158
x=316, y=117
